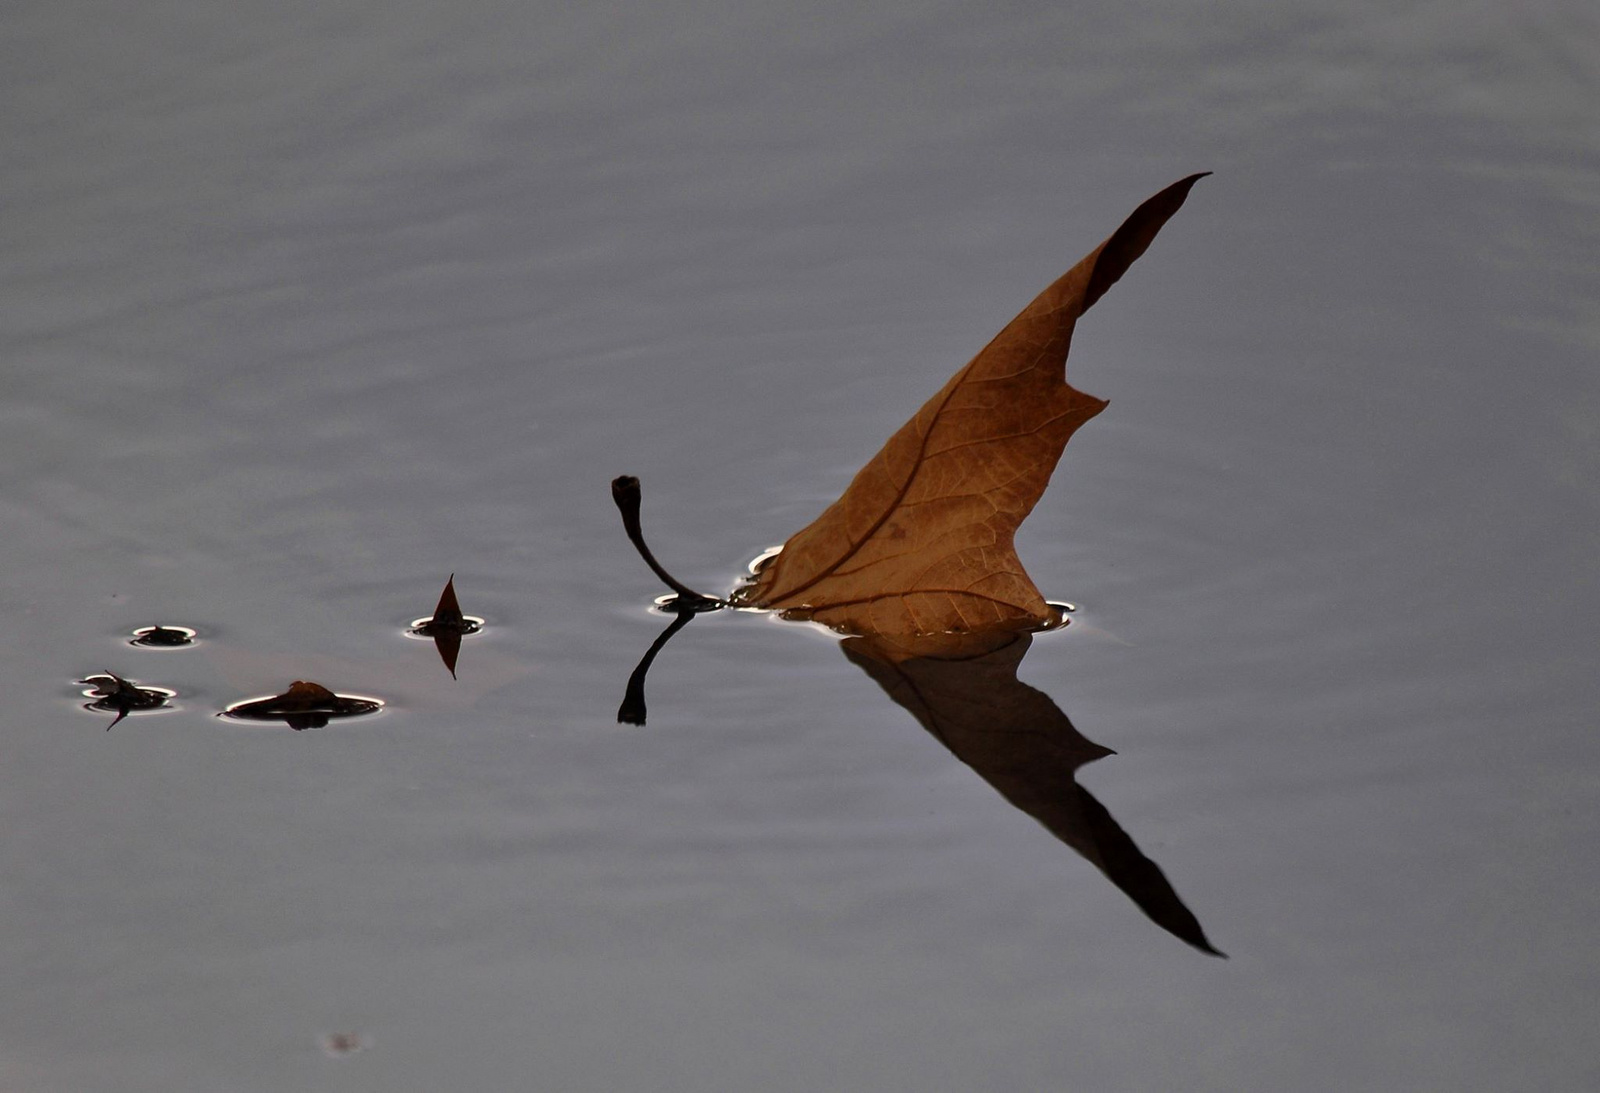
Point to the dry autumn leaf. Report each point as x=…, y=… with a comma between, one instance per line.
x=921, y=541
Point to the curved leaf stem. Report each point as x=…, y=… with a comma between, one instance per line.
x=625, y=492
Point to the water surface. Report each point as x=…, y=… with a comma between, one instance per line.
x=309, y=308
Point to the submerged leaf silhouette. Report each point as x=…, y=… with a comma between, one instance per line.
x=964, y=690
x=921, y=540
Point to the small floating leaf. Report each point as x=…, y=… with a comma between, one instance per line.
x=447, y=626
x=113, y=694
x=163, y=637
x=305, y=695
x=305, y=705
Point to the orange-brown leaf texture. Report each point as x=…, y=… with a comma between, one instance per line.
x=921, y=541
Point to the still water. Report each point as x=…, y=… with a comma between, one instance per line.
x=309, y=306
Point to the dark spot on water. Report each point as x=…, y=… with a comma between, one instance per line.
x=340, y=1045
x=163, y=637
x=429, y=628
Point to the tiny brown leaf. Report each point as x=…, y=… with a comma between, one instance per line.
x=304, y=695
x=921, y=540
x=305, y=705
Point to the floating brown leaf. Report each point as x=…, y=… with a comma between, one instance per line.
x=304, y=695
x=921, y=541
x=305, y=705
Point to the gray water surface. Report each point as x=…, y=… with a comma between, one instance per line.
x=307, y=306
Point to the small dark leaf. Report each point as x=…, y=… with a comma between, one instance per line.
x=305, y=705
x=112, y=693
x=447, y=615
x=163, y=637
x=447, y=626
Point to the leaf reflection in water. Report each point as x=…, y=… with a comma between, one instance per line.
x=963, y=688
x=632, y=710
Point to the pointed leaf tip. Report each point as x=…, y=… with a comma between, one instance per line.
x=1135, y=235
